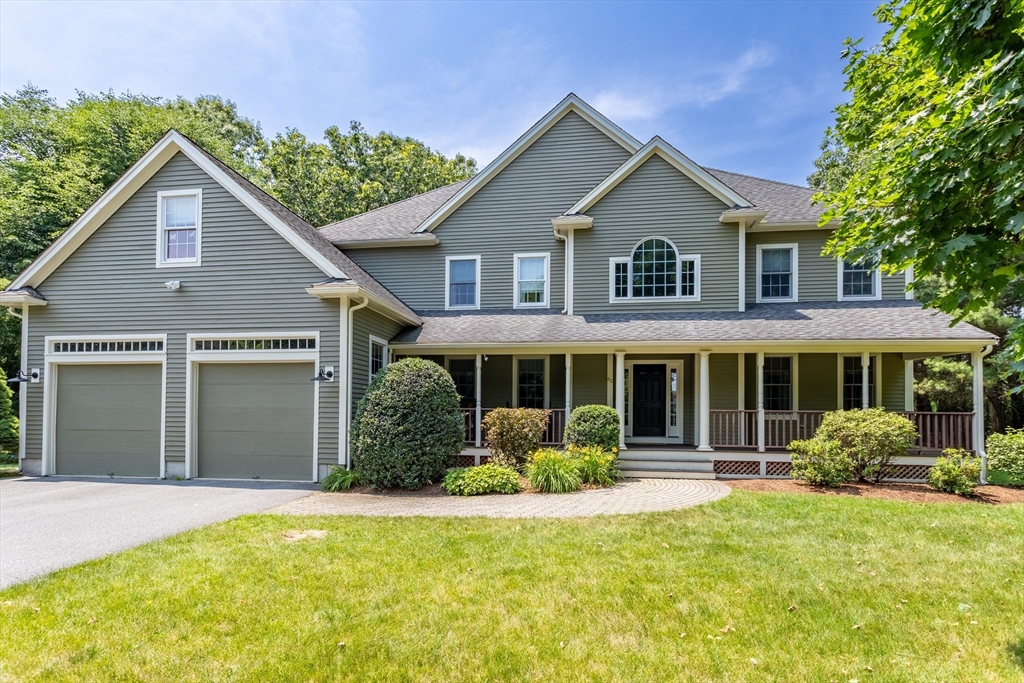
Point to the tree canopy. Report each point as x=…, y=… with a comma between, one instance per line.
x=925, y=164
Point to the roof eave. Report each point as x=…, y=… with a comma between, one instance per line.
x=412, y=240
x=338, y=290
x=11, y=299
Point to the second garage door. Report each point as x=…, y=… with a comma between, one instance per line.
x=255, y=421
x=108, y=419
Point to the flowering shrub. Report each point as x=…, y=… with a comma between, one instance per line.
x=596, y=465
x=514, y=433
x=489, y=478
x=955, y=471
x=553, y=471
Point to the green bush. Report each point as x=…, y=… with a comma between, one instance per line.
x=595, y=464
x=8, y=422
x=1006, y=452
x=489, y=478
x=552, y=471
x=408, y=427
x=869, y=438
x=593, y=425
x=820, y=462
x=339, y=479
x=955, y=471
x=514, y=433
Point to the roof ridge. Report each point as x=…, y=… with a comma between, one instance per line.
x=393, y=204
x=757, y=177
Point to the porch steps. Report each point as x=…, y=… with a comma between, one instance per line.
x=665, y=464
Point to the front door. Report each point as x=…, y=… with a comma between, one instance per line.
x=649, y=400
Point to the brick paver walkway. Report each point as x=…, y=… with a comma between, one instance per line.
x=634, y=495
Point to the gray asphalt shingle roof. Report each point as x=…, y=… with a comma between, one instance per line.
x=782, y=201
x=811, y=321
x=394, y=220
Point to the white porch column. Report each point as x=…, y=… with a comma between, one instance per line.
x=908, y=385
x=865, y=364
x=978, y=419
x=760, y=401
x=568, y=385
x=478, y=376
x=705, y=402
x=620, y=395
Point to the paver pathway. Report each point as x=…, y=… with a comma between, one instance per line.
x=634, y=495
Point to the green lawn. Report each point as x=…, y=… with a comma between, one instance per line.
x=883, y=591
x=8, y=469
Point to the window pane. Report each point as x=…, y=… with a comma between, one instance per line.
x=621, y=280
x=462, y=282
x=778, y=383
x=776, y=273
x=853, y=388
x=673, y=410
x=858, y=279
x=654, y=269
x=378, y=357
x=531, y=280
x=688, y=278
x=531, y=383
x=181, y=244
x=180, y=212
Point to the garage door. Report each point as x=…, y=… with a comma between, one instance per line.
x=255, y=421
x=108, y=420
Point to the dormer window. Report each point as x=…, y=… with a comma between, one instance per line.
x=655, y=271
x=179, y=227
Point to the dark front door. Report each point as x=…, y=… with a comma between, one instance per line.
x=649, y=400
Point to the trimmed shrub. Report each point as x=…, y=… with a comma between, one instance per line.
x=514, y=433
x=595, y=464
x=820, y=462
x=339, y=479
x=552, y=471
x=1006, y=452
x=955, y=471
x=489, y=478
x=593, y=425
x=869, y=438
x=408, y=427
x=8, y=423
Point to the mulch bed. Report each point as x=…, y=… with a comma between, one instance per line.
x=916, y=493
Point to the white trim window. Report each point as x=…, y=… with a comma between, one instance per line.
x=533, y=278
x=531, y=381
x=378, y=355
x=777, y=272
x=179, y=228
x=655, y=271
x=860, y=280
x=461, y=282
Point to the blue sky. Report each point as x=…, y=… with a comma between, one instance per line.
x=745, y=86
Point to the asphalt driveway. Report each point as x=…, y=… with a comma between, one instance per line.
x=54, y=522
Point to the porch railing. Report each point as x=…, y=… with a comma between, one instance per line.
x=738, y=428
x=553, y=435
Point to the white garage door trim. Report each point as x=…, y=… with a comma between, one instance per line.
x=98, y=350
x=253, y=353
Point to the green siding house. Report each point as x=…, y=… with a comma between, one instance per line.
x=188, y=325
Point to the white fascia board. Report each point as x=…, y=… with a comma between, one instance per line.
x=571, y=103
x=413, y=240
x=129, y=183
x=20, y=300
x=337, y=290
x=684, y=164
x=784, y=226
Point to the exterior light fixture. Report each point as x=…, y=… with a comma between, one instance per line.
x=173, y=284
x=21, y=377
x=326, y=374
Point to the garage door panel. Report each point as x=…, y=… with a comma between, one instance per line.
x=108, y=419
x=255, y=420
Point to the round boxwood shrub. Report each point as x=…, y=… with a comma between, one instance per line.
x=408, y=427
x=593, y=425
x=870, y=438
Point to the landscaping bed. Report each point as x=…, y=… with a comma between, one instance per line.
x=918, y=493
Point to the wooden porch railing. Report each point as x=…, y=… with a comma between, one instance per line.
x=738, y=428
x=553, y=435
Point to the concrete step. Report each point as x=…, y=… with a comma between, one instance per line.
x=695, y=466
x=643, y=473
x=665, y=456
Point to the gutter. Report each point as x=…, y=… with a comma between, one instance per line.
x=422, y=239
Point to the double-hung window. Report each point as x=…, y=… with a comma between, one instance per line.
x=655, y=271
x=378, y=356
x=532, y=274
x=462, y=282
x=530, y=381
x=778, y=383
x=179, y=227
x=777, y=272
x=859, y=280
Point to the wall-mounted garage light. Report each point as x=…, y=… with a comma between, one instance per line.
x=326, y=374
x=22, y=377
x=173, y=284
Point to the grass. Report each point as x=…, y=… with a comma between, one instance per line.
x=883, y=591
x=1004, y=478
x=8, y=468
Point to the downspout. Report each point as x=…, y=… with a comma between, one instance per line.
x=979, y=407
x=348, y=376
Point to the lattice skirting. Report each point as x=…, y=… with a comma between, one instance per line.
x=778, y=469
x=465, y=460
x=913, y=472
x=740, y=467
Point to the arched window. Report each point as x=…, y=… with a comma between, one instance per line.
x=655, y=270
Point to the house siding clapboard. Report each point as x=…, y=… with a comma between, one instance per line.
x=510, y=214
x=656, y=200
x=367, y=323
x=250, y=280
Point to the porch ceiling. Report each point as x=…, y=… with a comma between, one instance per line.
x=890, y=322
